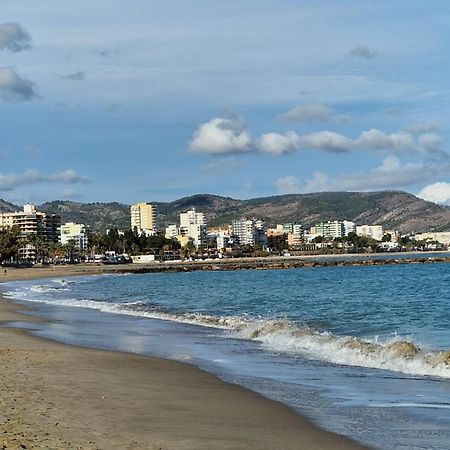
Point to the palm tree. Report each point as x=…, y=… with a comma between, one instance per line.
x=9, y=243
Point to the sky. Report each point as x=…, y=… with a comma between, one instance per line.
x=156, y=100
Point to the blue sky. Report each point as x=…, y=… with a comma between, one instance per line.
x=155, y=100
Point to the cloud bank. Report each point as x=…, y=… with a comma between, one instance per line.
x=13, y=88
x=390, y=174
x=14, y=38
x=9, y=182
x=221, y=136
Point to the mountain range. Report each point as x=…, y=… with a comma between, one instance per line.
x=392, y=209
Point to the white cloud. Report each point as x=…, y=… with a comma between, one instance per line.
x=278, y=144
x=14, y=38
x=221, y=136
x=9, y=182
x=376, y=139
x=328, y=141
x=13, y=87
x=391, y=174
x=437, y=192
x=364, y=52
x=288, y=185
x=431, y=142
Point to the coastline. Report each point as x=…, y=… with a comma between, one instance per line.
x=252, y=263
x=60, y=396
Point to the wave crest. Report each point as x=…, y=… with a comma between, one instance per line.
x=284, y=335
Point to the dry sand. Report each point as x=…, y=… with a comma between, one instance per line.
x=64, y=397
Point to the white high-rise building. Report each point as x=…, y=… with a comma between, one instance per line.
x=193, y=225
x=249, y=232
x=349, y=227
x=329, y=230
x=192, y=217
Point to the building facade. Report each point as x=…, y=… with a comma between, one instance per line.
x=29, y=221
x=329, y=230
x=76, y=233
x=193, y=225
x=32, y=223
x=143, y=217
x=249, y=232
x=372, y=231
x=443, y=237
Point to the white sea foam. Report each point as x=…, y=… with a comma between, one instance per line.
x=282, y=335
x=411, y=405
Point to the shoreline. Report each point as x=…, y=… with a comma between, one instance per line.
x=55, y=395
x=231, y=264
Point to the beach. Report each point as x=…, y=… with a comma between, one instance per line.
x=61, y=396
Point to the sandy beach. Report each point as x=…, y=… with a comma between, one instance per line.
x=64, y=397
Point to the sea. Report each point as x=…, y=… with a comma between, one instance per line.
x=361, y=351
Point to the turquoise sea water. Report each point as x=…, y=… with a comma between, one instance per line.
x=363, y=351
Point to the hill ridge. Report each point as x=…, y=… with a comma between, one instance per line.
x=392, y=209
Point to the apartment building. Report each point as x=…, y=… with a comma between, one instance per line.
x=249, y=232
x=143, y=218
x=76, y=233
x=193, y=225
x=372, y=231
x=29, y=221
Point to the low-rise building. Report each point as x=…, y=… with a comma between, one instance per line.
x=171, y=232
x=222, y=240
x=443, y=237
x=295, y=239
x=276, y=239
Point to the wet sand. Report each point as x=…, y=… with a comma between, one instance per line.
x=64, y=397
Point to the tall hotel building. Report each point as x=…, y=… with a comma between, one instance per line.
x=143, y=217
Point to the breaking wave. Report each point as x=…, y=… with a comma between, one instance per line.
x=284, y=336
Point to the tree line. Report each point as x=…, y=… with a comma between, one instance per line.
x=13, y=243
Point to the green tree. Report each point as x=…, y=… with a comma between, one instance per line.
x=9, y=243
